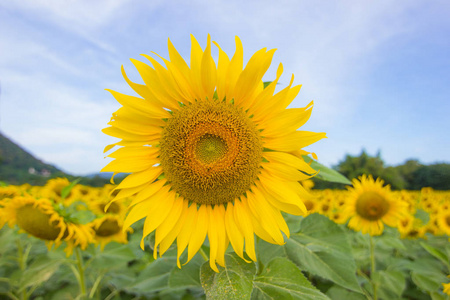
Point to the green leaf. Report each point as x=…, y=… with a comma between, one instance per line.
x=427, y=274
x=321, y=248
x=390, y=284
x=422, y=215
x=282, y=279
x=39, y=271
x=66, y=190
x=266, y=83
x=428, y=282
x=436, y=253
x=267, y=251
x=325, y=173
x=232, y=282
x=337, y=292
x=155, y=277
x=188, y=276
x=388, y=242
x=114, y=255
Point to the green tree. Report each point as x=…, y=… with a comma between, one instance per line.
x=355, y=166
x=436, y=176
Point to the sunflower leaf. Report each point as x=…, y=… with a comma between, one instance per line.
x=188, y=276
x=321, y=248
x=325, y=173
x=436, y=253
x=66, y=190
x=282, y=279
x=232, y=282
x=39, y=271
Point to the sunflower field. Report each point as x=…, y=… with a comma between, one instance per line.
x=218, y=203
x=63, y=241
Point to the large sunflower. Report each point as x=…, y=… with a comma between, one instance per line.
x=211, y=151
x=370, y=205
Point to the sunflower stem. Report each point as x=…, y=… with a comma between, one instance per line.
x=22, y=260
x=372, y=267
x=203, y=254
x=80, y=272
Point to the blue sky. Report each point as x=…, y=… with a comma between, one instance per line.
x=378, y=71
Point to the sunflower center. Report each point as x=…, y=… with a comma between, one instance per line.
x=447, y=220
x=36, y=223
x=108, y=228
x=113, y=208
x=372, y=206
x=210, y=152
x=210, y=148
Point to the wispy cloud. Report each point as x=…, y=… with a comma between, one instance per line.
x=58, y=56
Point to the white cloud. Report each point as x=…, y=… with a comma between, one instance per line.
x=60, y=55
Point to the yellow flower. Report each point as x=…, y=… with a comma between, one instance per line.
x=53, y=189
x=370, y=205
x=225, y=149
x=98, y=206
x=108, y=229
x=38, y=217
x=446, y=288
x=443, y=221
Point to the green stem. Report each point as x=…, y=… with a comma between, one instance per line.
x=203, y=254
x=80, y=272
x=22, y=260
x=372, y=268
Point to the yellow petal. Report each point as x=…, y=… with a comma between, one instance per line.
x=162, y=205
x=234, y=69
x=252, y=75
x=196, y=62
x=289, y=160
x=170, y=237
x=293, y=141
x=167, y=81
x=186, y=231
x=155, y=85
x=213, y=238
x=243, y=220
x=233, y=232
x=148, y=191
x=288, y=120
x=122, y=134
x=151, y=152
x=208, y=71
x=282, y=191
x=181, y=78
x=262, y=212
x=223, y=241
x=199, y=233
x=284, y=172
x=169, y=223
x=222, y=69
x=140, y=105
x=129, y=165
x=273, y=211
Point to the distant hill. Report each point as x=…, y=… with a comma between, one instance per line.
x=17, y=166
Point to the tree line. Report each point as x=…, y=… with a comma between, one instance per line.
x=412, y=175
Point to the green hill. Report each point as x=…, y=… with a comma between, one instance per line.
x=17, y=166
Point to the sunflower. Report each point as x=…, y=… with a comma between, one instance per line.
x=370, y=205
x=211, y=152
x=443, y=221
x=108, y=229
x=53, y=189
x=446, y=287
x=38, y=217
x=100, y=207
